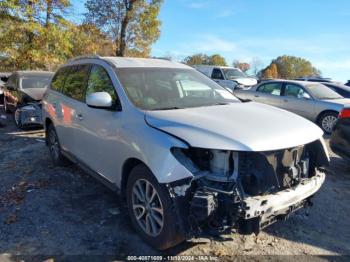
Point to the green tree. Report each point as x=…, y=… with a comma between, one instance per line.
x=34, y=35
x=289, y=67
x=203, y=59
x=132, y=24
x=241, y=65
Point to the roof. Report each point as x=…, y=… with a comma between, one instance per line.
x=303, y=83
x=143, y=62
x=34, y=73
x=217, y=66
x=123, y=62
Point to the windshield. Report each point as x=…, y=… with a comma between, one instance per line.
x=36, y=82
x=320, y=91
x=170, y=88
x=232, y=73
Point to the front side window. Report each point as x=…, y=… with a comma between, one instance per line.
x=99, y=81
x=217, y=74
x=270, y=88
x=170, y=88
x=74, y=86
x=294, y=91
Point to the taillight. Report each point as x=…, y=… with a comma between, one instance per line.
x=345, y=113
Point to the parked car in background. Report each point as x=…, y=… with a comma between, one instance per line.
x=340, y=140
x=228, y=77
x=342, y=90
x=184, y=153
x=313, y=101
x=315, y=79
x=23, y=92
x=348, y=83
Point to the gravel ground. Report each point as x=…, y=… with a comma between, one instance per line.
x=61, y=212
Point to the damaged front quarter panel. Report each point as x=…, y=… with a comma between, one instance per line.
x=245, y=191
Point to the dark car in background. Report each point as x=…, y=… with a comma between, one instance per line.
x=348, y=83
x=22, y=95
x=340, y=140
x=342, y=90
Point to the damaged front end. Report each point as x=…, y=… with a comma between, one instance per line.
x=245, y=191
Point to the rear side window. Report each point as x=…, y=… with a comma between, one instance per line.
x=217, y=74
x=271, y=88
x=58, y=80
x=75, y=83
x=99, y=81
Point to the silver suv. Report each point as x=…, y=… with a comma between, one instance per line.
x=184, y=153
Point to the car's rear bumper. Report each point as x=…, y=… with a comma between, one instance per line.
x=266, y=208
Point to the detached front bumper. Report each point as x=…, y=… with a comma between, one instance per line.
x=266, y=209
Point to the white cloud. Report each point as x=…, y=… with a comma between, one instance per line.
x=212, y=43
x=225, y=13
x=198, y=5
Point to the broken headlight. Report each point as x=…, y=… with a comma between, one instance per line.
x=214, y=164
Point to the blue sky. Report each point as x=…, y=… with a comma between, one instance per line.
x=318, y=30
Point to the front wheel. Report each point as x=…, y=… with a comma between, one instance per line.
x=150, y=209
x=327, y=121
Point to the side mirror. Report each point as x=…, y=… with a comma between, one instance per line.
x=306, y=96
x=99, y=100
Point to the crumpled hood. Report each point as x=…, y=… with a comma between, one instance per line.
x=246, y=81
x=35, y=93
x=238, y=126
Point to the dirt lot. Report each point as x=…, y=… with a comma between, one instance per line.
x=48, y=211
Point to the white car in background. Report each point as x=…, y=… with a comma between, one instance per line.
x=185, y=154
x=228, y=77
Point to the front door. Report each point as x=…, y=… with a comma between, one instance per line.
x=297, y=100
x=98, y=130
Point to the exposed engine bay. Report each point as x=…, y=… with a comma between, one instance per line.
x=246, y=191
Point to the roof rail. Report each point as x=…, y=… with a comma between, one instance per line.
x=84, y=57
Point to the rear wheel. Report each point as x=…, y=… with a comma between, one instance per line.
x=54, y=147
x=327, y=121
x=150, y=209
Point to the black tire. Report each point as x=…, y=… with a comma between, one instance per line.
x=7, y=110
x=325, y=121
x=169, y=235
x=54, y=147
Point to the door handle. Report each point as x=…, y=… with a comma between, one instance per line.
x=80, y=117
x=256, y=95
x=285, y=100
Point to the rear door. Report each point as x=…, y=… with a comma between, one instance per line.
x=269, y=93
x=69, y=106
x=297, y=100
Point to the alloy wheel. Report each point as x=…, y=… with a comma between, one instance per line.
x=147, y=207
x=328, y=123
